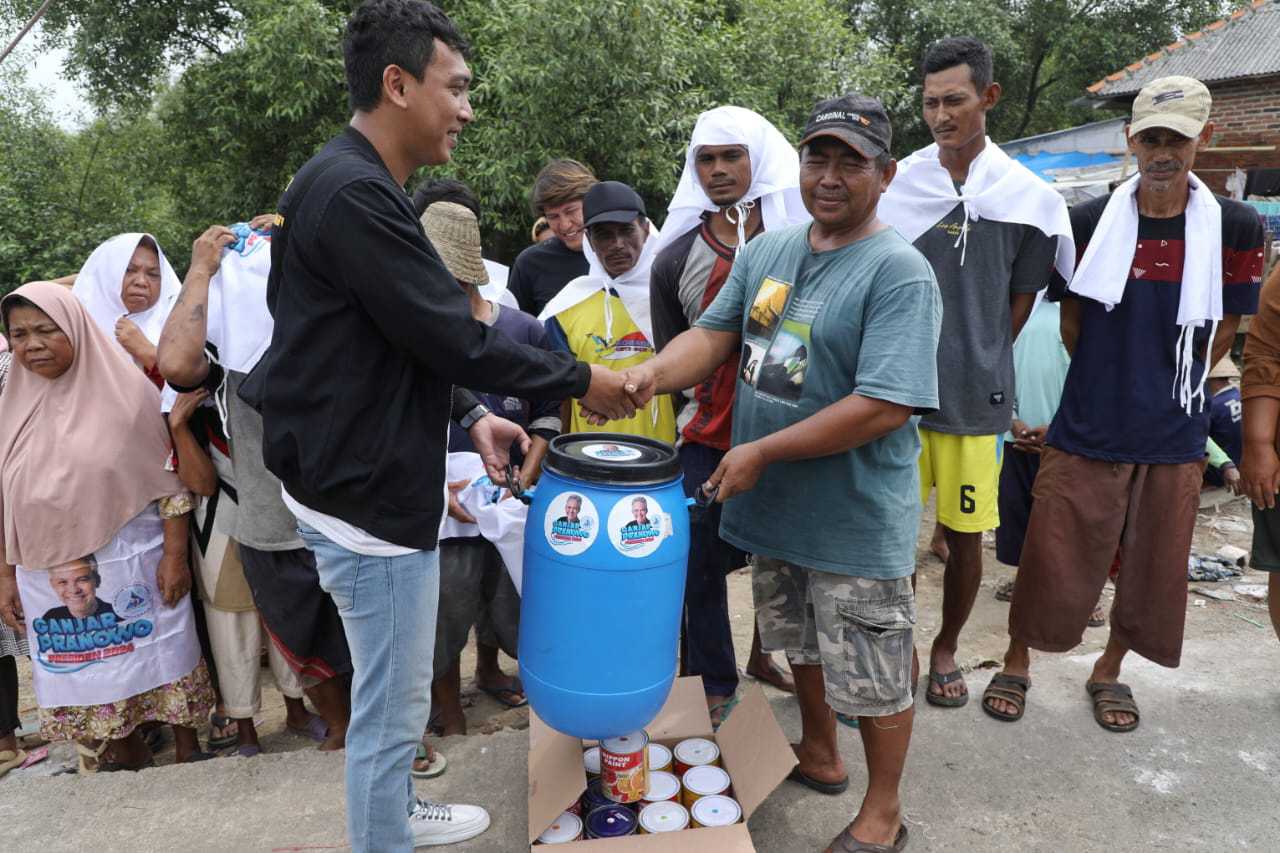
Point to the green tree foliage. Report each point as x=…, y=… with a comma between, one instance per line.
x=63, y=193
x=1046, y=51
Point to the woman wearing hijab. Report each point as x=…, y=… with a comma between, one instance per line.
x=12, y=644
x=84, y=492
x=128, y=288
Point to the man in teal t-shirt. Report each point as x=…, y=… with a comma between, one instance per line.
x=838, y=322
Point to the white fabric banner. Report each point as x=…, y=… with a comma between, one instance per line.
x=99, y=629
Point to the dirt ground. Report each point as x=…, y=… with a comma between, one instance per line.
x=1222, y=520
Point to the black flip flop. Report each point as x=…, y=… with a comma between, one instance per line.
x=846, y=843
x=942, y=679
x=829, y=788
x=501, y=693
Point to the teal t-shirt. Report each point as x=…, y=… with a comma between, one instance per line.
x=816, y=327
x=1040, y=364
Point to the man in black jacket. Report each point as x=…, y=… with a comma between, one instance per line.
x=371, y=333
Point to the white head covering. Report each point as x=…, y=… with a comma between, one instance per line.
x=632, y=287
x=100, y=279
x=775, y=175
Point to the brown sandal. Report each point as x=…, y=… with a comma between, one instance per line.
x=846, y=843
x=1113, y=698
x=1009, y=688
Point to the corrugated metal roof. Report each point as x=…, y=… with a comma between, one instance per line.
x=1246, y=44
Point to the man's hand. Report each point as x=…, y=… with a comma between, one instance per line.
x=206, y=251
x=1231, y=479
x=738, y=472
x=606, y=397
x=493, y=437
x=1260, y=473
x=185, y=406
x=1028, y=439
x=262, y=221
x=11, y=605
x=640, y=383
x=173, y=578
x=456, y=511
x=134, y=342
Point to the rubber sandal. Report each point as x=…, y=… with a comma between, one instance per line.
x=501, y=693
x=35, y=756
x=11, y=759
x=828, y=788
x=942, y=679
x=846, y=720
x=154, y=738
x=196, y=756
x=435, y=768
x=1113, y=697
x=316, y=729
x=230, y=732
x=1098, y=617
x=249, y=750
x=776, y=678
x=1010, y=688
x=846, y=843
x=1004, y=590
x=90, y=757
x=725, y=708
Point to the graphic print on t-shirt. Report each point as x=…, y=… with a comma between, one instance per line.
x=775, y=351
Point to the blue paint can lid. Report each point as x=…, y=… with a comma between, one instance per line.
x=613, y=458
x=611, y=822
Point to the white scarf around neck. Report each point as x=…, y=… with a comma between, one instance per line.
x=1108, y=259
x=100, y=280
x=775, y=176
x=632, y=288
x=997, y=187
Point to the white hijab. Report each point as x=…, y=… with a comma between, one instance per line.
x=632, y=287
x=775, y=175
x=100, y=279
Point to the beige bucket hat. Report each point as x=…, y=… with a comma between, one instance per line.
x=454, y=231
x=1225, y=369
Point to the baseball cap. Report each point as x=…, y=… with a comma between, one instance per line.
x=1179, y=103
x=856, y=120
x=611, y=201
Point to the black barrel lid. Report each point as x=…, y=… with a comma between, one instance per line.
x=608, y=458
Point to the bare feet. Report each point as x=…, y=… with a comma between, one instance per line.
x=943, y=661
x=938, y=544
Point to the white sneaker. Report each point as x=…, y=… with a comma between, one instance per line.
x=434, y=824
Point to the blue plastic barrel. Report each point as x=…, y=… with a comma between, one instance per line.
x=605, y=552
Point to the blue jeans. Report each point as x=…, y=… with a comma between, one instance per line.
x=388, y=607
x=706, y=639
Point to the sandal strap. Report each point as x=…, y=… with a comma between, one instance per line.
x=1015, y=696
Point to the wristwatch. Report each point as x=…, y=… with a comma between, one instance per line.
x=470, y=418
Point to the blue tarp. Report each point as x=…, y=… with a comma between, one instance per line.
x=1042, y=163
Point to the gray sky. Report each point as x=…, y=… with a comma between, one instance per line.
x=64, y=98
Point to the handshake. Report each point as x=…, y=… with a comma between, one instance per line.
x=617, y=394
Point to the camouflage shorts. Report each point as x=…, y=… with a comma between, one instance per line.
x=860, y=630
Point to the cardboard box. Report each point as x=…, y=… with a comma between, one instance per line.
x=753, y=749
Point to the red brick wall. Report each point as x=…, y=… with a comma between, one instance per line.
x=1245, y=112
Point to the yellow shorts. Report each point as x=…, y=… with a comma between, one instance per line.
x=966, y=470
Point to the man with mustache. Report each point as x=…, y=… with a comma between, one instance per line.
x=832, y=466
x=988, y=227
x=602, y=318
x=1165, y=272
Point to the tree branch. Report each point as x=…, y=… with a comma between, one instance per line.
x=26, y=28
x=1033, y=92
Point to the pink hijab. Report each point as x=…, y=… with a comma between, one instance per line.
x=82, y=454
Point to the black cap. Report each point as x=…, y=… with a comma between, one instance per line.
x=858, y=121
x=611, y=201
